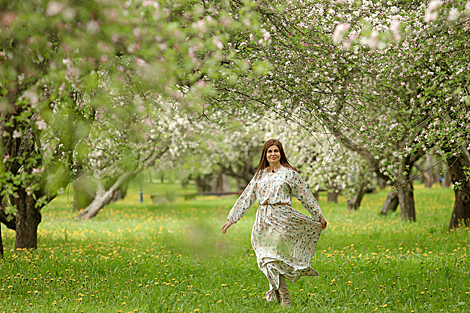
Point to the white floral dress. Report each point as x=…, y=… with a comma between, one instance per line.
x=284, y=239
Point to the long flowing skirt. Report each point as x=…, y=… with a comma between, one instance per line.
x=284, y=241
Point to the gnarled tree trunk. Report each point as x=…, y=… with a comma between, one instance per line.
x=28, y=217
x=406, y=200
x=203, y=183
x=355, y=201
x=447, y=178
x=427, y=178
x=461, y=212
x=391, y=203
x=105, y=197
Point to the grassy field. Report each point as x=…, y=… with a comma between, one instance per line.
x=173, y=258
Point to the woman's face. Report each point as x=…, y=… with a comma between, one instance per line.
x=273, y=155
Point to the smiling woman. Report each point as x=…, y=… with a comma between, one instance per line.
x=283, y=238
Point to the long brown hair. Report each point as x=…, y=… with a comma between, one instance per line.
x=263, y=162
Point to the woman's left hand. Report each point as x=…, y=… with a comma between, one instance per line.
x=323, y=222
x=226, y=226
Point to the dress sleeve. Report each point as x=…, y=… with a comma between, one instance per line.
x=244, y=202
x=301, y=191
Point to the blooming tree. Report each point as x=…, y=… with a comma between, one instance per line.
x=53, y=58
x=387, y=80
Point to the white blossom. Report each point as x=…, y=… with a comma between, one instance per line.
x=92, y=27
x=32, y=96
x=453, y=14
x=41, y=124
x=395, y=29
x=432, y=12
x=53, y=8
x=339, y=32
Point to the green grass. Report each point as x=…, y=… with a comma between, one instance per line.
x=172, y=257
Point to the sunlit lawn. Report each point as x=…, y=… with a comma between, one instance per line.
x=172, y=257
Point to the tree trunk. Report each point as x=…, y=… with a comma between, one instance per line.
x=427, y=178
x=203, y=183
x=316, y=195
x=104, y=197
x=120, y=194
x=355, y=201
x=391, y=203
x=98, y=203
x=28, y=218
x=447, y=179
x=437, y=169
x=428, y=165
x=222, y=184
x=406, y=200
x=332, y=197
x=461, y=212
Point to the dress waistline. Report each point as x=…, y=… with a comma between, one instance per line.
x=279, y=203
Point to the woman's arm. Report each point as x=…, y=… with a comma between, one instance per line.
x=301, y=191
x=244, y=202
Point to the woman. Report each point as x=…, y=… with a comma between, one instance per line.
x=284, y=239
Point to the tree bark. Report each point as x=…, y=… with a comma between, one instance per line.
x=28, y=218
x=316, y=195
x=391, y=203
x=332, y=197
x=429, y=163
x=406, y=200
x=355, y=202
x=437, y=169
x=106, y=197
x=203, y=183
x=222, y=183
x=447, y=178
x=427, y=179
x=461, y=212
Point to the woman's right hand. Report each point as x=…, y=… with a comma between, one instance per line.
x=226, y=226
x=323, y=222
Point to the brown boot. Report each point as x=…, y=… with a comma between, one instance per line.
x=278, y=296
x=285, y=300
